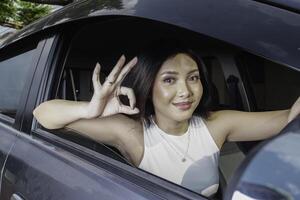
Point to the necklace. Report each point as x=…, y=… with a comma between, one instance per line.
x=173, y=146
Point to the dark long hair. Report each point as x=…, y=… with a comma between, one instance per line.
x=142, y=76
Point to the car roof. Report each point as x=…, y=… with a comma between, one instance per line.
x=257, y=27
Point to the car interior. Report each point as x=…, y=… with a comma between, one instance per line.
x=239, y=79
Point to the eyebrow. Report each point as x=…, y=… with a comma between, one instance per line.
x=174, y=72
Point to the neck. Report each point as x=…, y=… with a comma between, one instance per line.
x=170, y=126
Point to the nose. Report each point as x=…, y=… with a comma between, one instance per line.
x=184, y=90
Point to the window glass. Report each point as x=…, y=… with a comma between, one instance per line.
x=13, y=73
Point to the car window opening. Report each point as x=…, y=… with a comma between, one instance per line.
x=227, y=82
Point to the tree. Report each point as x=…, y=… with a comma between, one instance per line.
x=7, y=10
x=17, y=13
x=29, y=12
x=52, y=2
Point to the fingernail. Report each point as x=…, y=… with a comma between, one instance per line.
x=123, y=56
x=134, y=60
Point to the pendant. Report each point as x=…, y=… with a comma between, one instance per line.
x=183, y=159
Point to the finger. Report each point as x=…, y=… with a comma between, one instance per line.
x=116, y=70
x=130, y=95
x=126, y=69
x=127, y=110
x=292, y=116
x=96, y=76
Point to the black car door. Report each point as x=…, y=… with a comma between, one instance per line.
x=8, y=137
x=36, y=169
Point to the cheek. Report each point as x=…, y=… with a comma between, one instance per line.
x=162, y=94
x=198, y=92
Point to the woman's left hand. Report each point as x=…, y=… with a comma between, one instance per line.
x=294, y=111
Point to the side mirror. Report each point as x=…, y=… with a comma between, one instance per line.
x=271, y=170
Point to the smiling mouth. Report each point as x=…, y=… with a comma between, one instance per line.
x=183, y=105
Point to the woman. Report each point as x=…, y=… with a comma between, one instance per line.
x=171, y=134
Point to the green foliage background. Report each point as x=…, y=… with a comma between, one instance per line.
x=17, y=13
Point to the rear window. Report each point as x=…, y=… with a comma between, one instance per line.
x=13, y=74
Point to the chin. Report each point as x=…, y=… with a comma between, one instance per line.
x=182, y=116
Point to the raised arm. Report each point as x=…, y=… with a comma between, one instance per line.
x=58, y=113
x=249, y=126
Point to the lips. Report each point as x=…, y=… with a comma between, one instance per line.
x=183, y=105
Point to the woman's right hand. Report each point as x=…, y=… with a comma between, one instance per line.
x=105, y=100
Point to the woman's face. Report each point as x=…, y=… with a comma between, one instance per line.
x=177, y=89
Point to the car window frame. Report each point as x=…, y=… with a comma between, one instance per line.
x=55, y=52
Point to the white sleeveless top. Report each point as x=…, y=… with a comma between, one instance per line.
x=164, y=154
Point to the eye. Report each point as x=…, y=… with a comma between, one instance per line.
x=169, y=80
x=194, y=78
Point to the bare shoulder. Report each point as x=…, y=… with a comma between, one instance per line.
x=218, y=124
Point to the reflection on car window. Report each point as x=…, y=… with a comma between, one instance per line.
x=13, y=73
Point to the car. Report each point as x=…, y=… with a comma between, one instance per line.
x=251, y=53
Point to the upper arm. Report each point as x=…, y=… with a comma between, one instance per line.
x=109, y=130
x=249, y=126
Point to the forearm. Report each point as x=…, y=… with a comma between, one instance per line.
x=274, y=122
x=58, y=113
